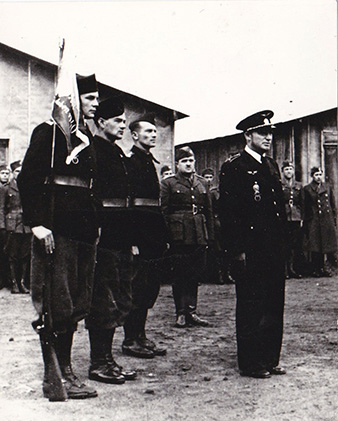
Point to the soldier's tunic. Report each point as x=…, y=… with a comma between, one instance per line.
x=319, y=218
x=61, y=200
x=186, y=204
x=150, y=232
x=18, y=234
x=293, y=209
x=252, y=216
x=113, y=271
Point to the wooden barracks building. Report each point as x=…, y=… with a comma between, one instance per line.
x=27, y=86
x=308, y=141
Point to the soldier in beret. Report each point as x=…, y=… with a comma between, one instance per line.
x=292, y=191
x=55, y=185
x=252, y=216
x=150, y=237
x=319, y=222
x=186, y=204
x=112, y=296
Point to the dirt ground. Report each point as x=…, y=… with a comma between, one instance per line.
x=198, y=379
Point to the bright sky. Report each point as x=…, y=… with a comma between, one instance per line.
x=217, y=61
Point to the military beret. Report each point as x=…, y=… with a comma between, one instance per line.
x=111, y=107
x=14, y=165
x=287, y=164
x=256, y=121
x=149, y=118
x=208, y=171
x=86, y=84
x=314, y=170
x=3, y=167
x=184, y=152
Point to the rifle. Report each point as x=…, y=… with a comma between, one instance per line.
x=54, y=384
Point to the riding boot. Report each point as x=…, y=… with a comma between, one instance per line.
x=132, y=329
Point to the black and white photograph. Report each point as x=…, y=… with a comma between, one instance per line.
x=168, y=210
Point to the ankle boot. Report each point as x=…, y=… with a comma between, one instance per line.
x=15, y=288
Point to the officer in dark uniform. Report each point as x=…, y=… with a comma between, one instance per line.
x=292, y=191
x=252, y=216
x=58, y=204
x=186, y=204
x=112, y=297
x=150, y=237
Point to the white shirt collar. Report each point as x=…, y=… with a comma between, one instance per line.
x=254, y=154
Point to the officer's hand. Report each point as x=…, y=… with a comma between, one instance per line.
x=135, y=251
x=45, y=235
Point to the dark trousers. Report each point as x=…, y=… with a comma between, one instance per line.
x=259, y=312
x=188, y=271
x=112, y=295
x=71, y=272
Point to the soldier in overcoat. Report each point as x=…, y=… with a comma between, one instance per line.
x=112, y=295
x=292, y=191
x=150, y=237
x=319, y=221
x=252, y=216
x=18, y=243
x=186, y=204
x=55, y=185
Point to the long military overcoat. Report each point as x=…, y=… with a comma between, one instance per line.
x=319, y=218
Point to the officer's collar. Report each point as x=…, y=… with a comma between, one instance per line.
x=254, y=154
x=136, y=149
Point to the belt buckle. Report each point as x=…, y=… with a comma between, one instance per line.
x=291, y=202
x=194, y=209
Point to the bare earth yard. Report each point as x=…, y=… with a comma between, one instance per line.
x=198, y=379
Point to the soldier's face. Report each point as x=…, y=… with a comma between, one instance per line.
x=114, y=127
x=186, y=165
x=167, y=174
x=288, y=172
x=4, y=176
x=16, y=172
x=259, y=140
x=145, y=135
x=317, y=177
x=89, y=103
x=208, y=178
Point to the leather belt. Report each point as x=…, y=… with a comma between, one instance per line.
x=143, y=201
x=65, y=180
x=116, y=203
x=194, y=209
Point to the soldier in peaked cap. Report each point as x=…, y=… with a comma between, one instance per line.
x=252, y=214
x=59, y=206
x=150, y=236
x=112, y=296
x=186, y=204
x=292, y=191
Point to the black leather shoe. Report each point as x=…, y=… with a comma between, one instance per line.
x=180, y=321
x=259, y=374
x=127, y=374
x=277, y=371
x=195, y=320
x=134, y=349
x=148, y=344
x=106, y=373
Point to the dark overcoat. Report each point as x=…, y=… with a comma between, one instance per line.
x=319, y=218
x=252, y=214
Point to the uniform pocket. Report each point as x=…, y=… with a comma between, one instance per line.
x=176, y=228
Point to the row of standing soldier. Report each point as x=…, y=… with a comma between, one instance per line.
x=68, y=199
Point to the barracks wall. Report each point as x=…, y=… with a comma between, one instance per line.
x=27, y=86
x=308, y=141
